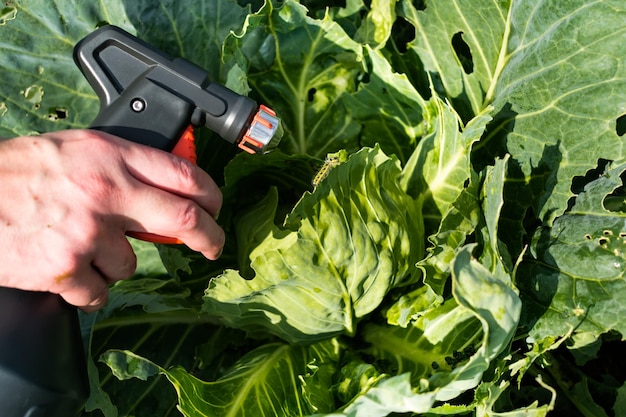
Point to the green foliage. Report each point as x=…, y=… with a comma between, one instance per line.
x=466, y=255
x=341, y=250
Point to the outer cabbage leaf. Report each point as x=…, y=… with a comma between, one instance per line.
x=302, y=67
x=559, y=93
x=389, y=107
x=552, y=73
x=487, y=314
x=41, y=89
x=440, y=176
x=194, y=31
x=342, y=249
x=275, y=379
x=459, y=43
x=577, y=277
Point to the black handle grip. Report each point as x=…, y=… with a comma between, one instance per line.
x=150, y=98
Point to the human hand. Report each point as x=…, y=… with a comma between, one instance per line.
x=68, y=198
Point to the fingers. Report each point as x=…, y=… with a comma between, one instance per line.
x=175, y=175
x=90, y=294
x=114, y=258
x=181, y=202
x=86, y=285
x=151, y=191
x=166, y=214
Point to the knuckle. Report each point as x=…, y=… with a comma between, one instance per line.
x=102, y=187
x=130, y=266
x=189, y=216
x=219, y=199
x=98, y=141
x=188, y=175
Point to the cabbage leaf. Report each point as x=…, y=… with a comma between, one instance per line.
x=342, y=249
x=464, y=256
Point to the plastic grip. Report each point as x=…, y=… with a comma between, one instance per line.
x=185, y=148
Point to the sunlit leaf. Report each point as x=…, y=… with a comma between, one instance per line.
x=342, y=248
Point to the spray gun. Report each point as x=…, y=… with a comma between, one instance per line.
x=149, y=98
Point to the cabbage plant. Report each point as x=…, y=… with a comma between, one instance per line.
x=462, y=253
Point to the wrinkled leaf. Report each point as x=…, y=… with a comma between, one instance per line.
x=302, y=67
x=278, y=379
x=389, y=107
x=341, y=250
x=558, y=90
x=487, y=314
x=576, y=279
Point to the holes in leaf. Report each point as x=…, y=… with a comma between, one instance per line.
x=463, y=52
x=402, y=33
x=58, y=113
x=311, y=94
x=616, y=201
x=34, y=95
x=419, y=4
x=579, y=182
x=8, y=12
x=620, y=125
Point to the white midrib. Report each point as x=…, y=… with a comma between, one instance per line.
x=503, y=59
x=242, y=393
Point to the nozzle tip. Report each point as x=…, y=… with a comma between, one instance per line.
x=264, y=133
